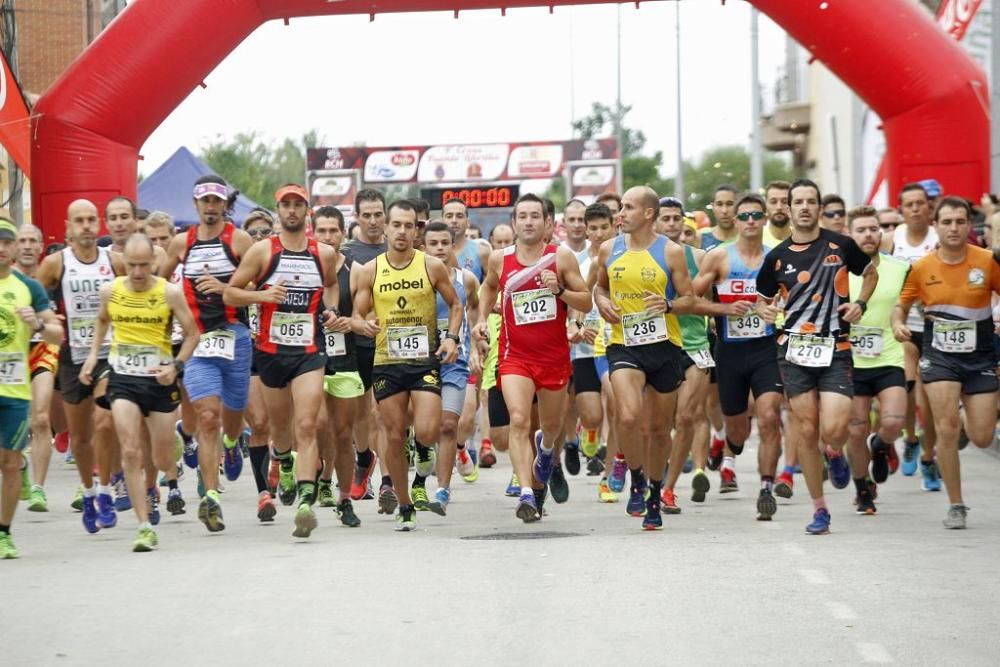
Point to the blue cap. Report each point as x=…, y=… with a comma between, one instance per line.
x=931, y=187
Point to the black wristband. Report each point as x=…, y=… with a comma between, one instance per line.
x=863, y=305
x=560, y=292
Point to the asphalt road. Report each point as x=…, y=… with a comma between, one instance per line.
x=584, y=586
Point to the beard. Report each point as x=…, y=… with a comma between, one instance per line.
x=780, y=220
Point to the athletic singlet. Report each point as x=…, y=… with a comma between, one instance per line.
x=770, y=240
x=957, y=300
x=292, y=326
x=17, y=291
x=694, y=328
x=591, y=320
x=406, y=309
x=740, y=285
x=709, y=240
x=631, y=273
x=340, y=346
x=490, y=364
x=217, y=256
x=141, y=324
x=901, y=249
x=79, y=297
x=177, y=278
x=872, y=342
x=811, y=280
x=534, y=319
x=469, y=259
x=443, y=315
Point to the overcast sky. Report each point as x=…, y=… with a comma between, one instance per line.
x=416, y=79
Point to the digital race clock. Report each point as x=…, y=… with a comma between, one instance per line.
x=486, y=196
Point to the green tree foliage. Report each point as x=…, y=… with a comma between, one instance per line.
x=724, y=164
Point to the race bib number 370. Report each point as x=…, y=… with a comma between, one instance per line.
x=220, y=344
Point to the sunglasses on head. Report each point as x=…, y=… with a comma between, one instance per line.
x=888, y=225
x=837, y=213
x=750, y=215
x=260, y=232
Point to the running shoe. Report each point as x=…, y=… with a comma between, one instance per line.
x=25, y=480
x=106, y=517
x=424, y=460
x=910, y=451
x=153, y=506
x=544, y=461
x=190, y=446
x=840, y=469
x=590, y=442
x=728, y=483
x=232, y=461
x=558, y=485
x=783, y=485
x=440, y=503
x=210, y=512
x=669, y=502
x=77, y=503
x=931, y=477
x=716, y=452
x=89, y=514
x=265, y=507
x=880, y=459
x=70, y=460
x=346, y=512
x=700, y=486
x=514, y=488
x=652, y=520
x=540, y=495
x=616, y=480
x=636, y=501
x=305, y=521
x=325, y=494
x=595, y=466
x=122, y=502
x=387, y=500
x=406, y=520
x=7, y=549
x=273, y=472
x=571, y=455
x=605, y=494
x=474, y=455
x=361, y=480
x=865, y=504
x=893, y=458
x=872, y=488
x=175, y=502
x=767, y=506
x=37, y=502
x=688, y=465
x=286, y=485
x=418, y=495
x=466, y=464
x=61, y=442
x=145, y=541
x=527, y=510
x=487, y=457
x=820, y=524
x=956, y=517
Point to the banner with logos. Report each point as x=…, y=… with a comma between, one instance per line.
x=334, y=187
x=586, y=180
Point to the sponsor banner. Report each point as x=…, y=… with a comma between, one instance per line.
x=461, y=163
x=334, y=187
x=588, y=179
x=954, y=16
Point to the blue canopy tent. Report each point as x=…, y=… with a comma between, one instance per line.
x=169, y=188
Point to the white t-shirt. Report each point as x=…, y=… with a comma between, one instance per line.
x=902, y=249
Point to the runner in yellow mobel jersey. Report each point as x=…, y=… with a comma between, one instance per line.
x=24, y=310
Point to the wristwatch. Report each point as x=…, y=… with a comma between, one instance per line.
x=864, y=306
x=179, y=366
x=453, y=337
x=560, y=292
x=40, y=327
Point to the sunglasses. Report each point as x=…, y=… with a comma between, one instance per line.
x=838, y=213
x=750, y=215
x=888, y=225
x=263, y=232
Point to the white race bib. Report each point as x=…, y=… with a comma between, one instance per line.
x=218, y=344
x=408, y=342
x=13, y=367
x=537, y=305
x=866, y=341
x=748, y=325
x=81, y=331
x=336, y=344
x=644, y=328
x=135, y=360
x=954, y=336
x=811, y=351
x=293, y=329
x=253, y=319
x=702, y=358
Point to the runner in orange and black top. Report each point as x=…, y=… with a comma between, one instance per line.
x=293, y=276
x=807, y=274
x=955, y=283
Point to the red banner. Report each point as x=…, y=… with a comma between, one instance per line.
x=954, y=16
x=15, y=127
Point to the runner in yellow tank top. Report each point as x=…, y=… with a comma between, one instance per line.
x=143, y=382
x=405, y=305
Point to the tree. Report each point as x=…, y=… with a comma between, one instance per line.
x=256, y=167
x=724, y=164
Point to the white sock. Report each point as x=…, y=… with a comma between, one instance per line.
x=103, y=489
x=89, y=492
x=527, y=491
x=729, y=462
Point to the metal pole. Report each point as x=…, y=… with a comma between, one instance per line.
x=619, y=130
x=15, y=178
x=679, y=180
x=572, y=75
x=995, y=96
x=756, y=152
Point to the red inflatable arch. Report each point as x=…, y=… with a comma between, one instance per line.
x=90, y=124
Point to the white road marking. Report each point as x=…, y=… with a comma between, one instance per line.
x=840, y=611
x=874, y=653
x=815, y=577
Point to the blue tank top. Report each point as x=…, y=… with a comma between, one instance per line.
x=469, y=259
x=442, y=317
x=740, y=285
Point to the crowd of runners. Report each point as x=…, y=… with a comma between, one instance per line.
x=640, y=348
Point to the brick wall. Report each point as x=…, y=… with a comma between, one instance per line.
x=50, y=34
